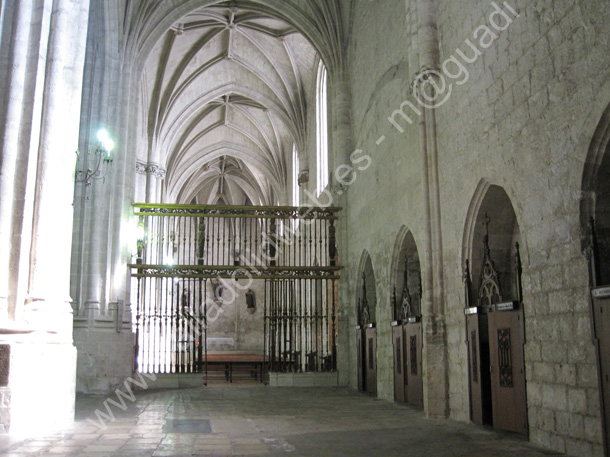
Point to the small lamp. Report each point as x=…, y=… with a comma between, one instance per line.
x=250, y=299
x=101, y=156
x=141, y=233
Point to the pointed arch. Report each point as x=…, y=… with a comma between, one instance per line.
x=405, y=255
x=367, y=282
x=595, y=201
x=491, y=202
x=495, y=200
x=495, y=318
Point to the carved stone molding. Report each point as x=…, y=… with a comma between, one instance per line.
x=303, y=177
x=140, y=168
x=150, y=168
x=160, y=173
x=178, y=29
x=422, y=77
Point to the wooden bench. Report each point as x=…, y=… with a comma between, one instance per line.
x=252, y=365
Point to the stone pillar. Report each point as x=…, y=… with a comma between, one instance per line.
x=340, y=147
x=39, y=137
x=154, y=176
x=19, y=22
x=140, y=183
x=102, y=333
x=95, y=237
x=435, y=362
x=340, y=133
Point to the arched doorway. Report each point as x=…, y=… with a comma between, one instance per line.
x=494, y=314
x=406, y=324
x=595, y=226
x=366, y=332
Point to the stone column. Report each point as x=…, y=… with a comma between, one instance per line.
x=52, y=218
x=47, y=47
x=140, y=183
x=340, y=147
x=19, y=22
x=154, y=176
x=95, y=242
x=340, y=133
x=103, y=336
x=435, y=363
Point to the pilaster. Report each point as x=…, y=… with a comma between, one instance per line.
x=435, y=359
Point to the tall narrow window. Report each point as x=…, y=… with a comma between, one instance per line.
x=322, y=129
x=296, y=200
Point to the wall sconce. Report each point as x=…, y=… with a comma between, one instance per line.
x=101, y=156
x=141, y=233
x=250, y=299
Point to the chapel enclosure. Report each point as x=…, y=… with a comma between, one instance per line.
x=200, y=271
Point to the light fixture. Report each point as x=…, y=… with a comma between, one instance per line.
x=101, y=158
x=250, y=299
x=141, y=233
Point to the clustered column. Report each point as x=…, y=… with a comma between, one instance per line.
x=42, y=52
x=148, y=182
x=433, y=307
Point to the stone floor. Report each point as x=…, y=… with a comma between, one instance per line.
x=256, y=420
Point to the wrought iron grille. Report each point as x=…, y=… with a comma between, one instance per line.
x=300, y=324
x=247, y=236
x=188, y=254
x=171, y=324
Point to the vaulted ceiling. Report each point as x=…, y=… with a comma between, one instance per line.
x=225, y=94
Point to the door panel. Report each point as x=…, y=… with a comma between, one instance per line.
x=474, y=368
x=478, y=368
x=507, y=371
x=399, y=365
x=371, y=360
x=360, y=359
x=601, y=315
x=413, y=339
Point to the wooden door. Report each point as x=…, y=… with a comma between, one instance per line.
x=506, y=338
x=600, y=299
x=478, y=369
x=415, y=387
x=371, y=360
x=399, y=363
x=360, y=359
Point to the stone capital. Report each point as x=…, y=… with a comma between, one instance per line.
x=423, y=77
x=155, y=170
x=140, y=168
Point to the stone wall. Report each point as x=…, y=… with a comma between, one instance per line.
x=238, y=328
x=105, y=357
x=519, y=114
x=378, y=74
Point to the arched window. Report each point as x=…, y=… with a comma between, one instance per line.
x=296, y=200
x=322, y=130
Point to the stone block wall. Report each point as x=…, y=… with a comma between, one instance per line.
x=105, y=358
x=521, y=115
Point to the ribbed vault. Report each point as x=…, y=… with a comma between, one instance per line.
x=225, y=94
